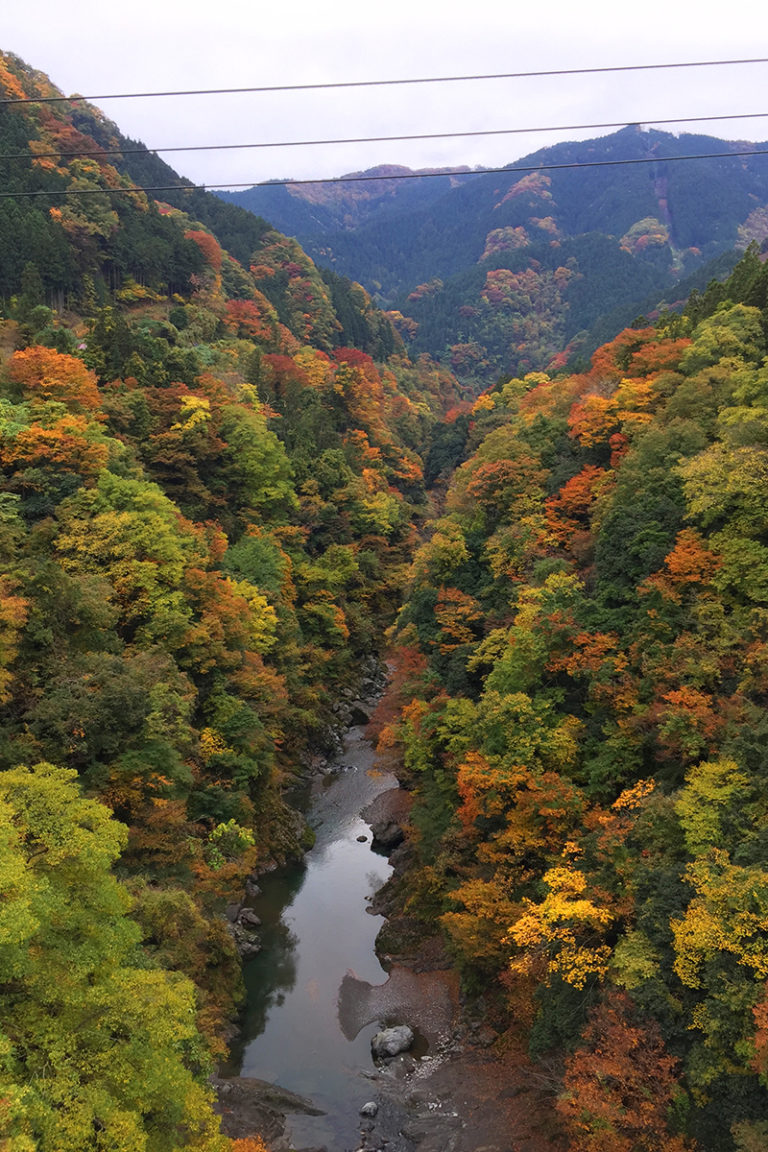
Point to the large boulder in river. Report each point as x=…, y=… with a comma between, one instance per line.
x=248, y=918
x=392, y=1041
x=386, y=815
x=359, y=712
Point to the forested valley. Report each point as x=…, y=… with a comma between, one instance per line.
x=227, y=489
x=504, y=272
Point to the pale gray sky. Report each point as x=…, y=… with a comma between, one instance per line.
x=157, y=45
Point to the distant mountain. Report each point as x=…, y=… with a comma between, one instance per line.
x=497, y=272
x=354, y=201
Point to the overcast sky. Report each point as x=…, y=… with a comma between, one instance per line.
x=157, y=45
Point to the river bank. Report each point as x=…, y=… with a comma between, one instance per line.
x=313, y=929
x=307, y=1079
x=472, y=1091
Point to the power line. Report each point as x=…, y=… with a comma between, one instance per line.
x=456, y=172
x=386, y=83
x=144, y=150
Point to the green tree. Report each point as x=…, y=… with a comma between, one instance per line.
x=100, y=1051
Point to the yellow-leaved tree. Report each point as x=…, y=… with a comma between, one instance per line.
x=565, y=929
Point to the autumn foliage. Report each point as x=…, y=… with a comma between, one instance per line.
x=209, y=469
x=213, y=509
x=618, y=1087
x=586, y=747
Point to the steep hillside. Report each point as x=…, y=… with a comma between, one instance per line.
x=214, y=470
x=207, y=498
x=584, y=728
x=500, y=274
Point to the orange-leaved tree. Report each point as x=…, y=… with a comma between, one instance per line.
x=619, y=1085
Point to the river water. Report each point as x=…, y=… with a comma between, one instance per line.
x=315, y=930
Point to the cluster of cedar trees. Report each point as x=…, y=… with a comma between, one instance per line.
x=586, y=729
x=206, y=513
x=520, y=306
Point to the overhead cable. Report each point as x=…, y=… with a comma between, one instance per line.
x=386, y=83
x=144, y=149
x=424, y=175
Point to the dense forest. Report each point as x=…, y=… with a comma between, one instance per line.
x=207, y=506
x=223, y=480
x=584, y=724
x=506, y=273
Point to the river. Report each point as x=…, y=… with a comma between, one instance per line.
x=315, y=930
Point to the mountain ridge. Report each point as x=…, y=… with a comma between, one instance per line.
x=637, y=219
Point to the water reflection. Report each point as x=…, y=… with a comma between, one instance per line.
x=315, y=929
x=271, y=974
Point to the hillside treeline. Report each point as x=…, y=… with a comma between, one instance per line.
x=534, y=267
x=585, y=731
x=208, y=488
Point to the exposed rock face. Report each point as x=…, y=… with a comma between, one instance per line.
x=387, y=835
x=355, y=707
x=359, y=712
x=392, y=1041
x=246, y=940
x=248, y=1107
x=386, y=815
x=248, y=918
